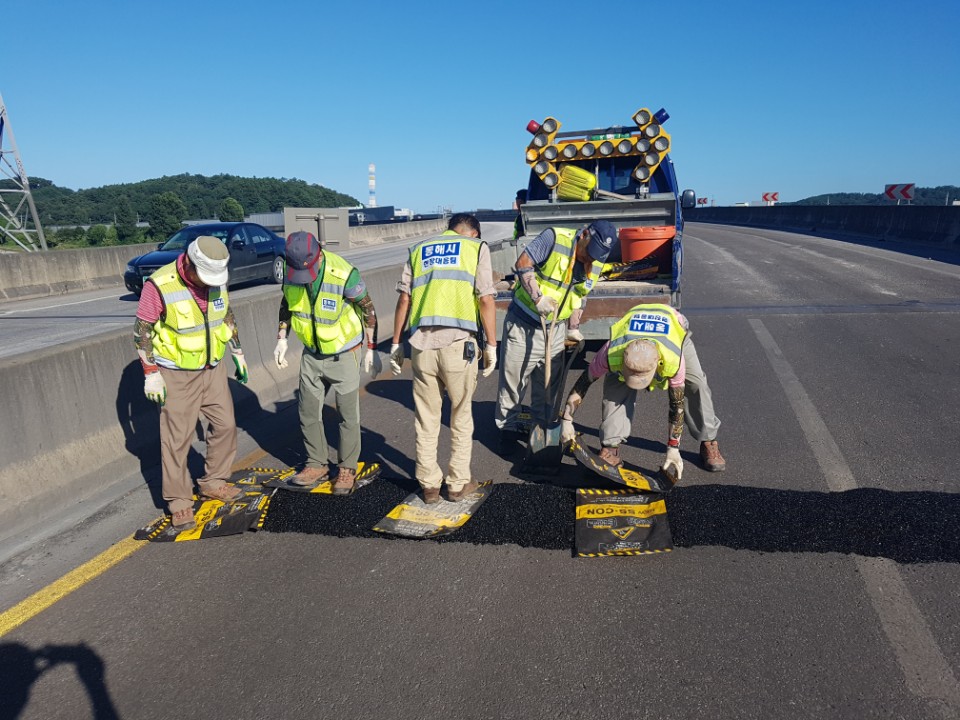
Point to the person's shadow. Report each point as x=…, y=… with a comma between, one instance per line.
x=21, y=667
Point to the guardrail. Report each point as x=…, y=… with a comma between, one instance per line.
x=923, y=224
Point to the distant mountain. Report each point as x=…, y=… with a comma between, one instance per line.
x=201, y=194
x=921, y=196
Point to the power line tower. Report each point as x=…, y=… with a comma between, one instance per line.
x=15, y=197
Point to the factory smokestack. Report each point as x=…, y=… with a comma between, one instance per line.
x=372, y=169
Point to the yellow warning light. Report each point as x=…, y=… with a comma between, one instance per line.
x=606, y=148
x=642, y=117
x=651, y=131
x=569, y=151
x=550, y=126
x=543, y=167
x=662, y=143
x=540, y=140
x=551, y=179
x=641, y=173
x=642, y=145
x=532, y=154
x=550, y=152
x=651, y=159
x=588, y=149
x=624, y=146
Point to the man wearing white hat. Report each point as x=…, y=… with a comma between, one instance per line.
x=645, y=352
x=184, y=325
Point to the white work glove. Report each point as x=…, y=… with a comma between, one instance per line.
x=574, y=335
x=242, y=374
x=372, y=364
x=546, y=306
x=573, y=403
x=489, y=360
x=155, y=388
x=567, y=432
x=396, y=358
x=674, y=462
x=280, y=353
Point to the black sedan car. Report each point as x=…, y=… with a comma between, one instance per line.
x=255, y=253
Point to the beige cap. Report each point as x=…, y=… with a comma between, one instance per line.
x=210, y=258
x=640, y=361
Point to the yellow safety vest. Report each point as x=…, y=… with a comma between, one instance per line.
x=442, y=291
x=183, y=334
x=332, y=324
x=553, y=275
x=649, y=322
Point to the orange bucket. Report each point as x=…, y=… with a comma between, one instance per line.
x=636, y=243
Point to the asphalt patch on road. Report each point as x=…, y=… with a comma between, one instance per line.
x=535, y=516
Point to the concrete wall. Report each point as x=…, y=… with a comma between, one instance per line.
x=76, y=421
x=28, y=275
x=24, y=275
x=932, y=225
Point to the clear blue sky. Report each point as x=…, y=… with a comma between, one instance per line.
x=801, y=98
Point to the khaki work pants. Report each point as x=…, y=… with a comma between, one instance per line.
x=433, y=372
x=318, y=375
x=523, y=352
x=191, y=393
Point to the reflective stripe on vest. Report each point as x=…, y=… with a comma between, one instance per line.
x=442, y=291
x=554, y=273
x=332, y=324
x=649, y=322
x=184, y=335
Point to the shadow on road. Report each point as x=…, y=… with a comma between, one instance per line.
x=21, y=667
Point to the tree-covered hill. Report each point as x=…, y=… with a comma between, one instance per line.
x=202, y=196
x=921, y=196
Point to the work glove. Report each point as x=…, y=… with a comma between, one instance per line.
x=673, y=464
x=155, y=388
x=396, y=358
x=574, y=335
x=280, y=353
x=546, y=306
x=573, y=404
x=372, y=364
x=567, y=432
x=489, y=360
x=242, y=374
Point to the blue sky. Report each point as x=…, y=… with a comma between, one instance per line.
x=801, y=98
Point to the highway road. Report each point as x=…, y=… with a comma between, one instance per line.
x=815, y=578
x=29, y=325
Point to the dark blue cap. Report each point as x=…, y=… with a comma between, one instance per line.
x=603, y=237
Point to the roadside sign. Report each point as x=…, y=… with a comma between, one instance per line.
x=702, y=201
x=903, y=191
x=771, y=197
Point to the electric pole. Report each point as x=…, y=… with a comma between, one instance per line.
x=16, y=201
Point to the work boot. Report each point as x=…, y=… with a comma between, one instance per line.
x=309, y=476
x=343, y=485
x=183, y=520
x=225, y=492
x=431, y=495
x=458, y=495
x=611, y=455
x=509, y=443
x=711, y=457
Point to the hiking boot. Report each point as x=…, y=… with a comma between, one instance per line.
x=458, y=495
x=309, y=476
x=509, y=443
x=711, y=457
x=226, y=492
x=611, y=455
x=431, y=495
x=343, y=485
x=183, y=520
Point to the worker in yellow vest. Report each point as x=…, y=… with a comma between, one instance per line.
x=646, y=351
x=327, y=305
x=184, y=325
x=446, y=288
x=555, y=259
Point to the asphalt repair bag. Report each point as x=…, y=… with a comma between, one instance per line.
x=621, y=522
x=216, y=518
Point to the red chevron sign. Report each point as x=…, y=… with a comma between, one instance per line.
x=771, y=197
x=903, y=191
x=702, y=201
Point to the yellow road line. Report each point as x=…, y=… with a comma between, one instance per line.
x=59, y=589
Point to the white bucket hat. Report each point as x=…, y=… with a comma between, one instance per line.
x=640, y=361
x=210, y=258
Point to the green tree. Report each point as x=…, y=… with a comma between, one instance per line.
x=97, y=235
x=166, y=215
x=230, y=211
x=126, y=220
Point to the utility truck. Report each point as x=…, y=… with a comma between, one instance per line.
x=622, y=174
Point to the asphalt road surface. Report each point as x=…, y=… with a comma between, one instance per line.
x=29, y=325
x=815, y=578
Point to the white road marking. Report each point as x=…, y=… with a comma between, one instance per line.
x=927, y=673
